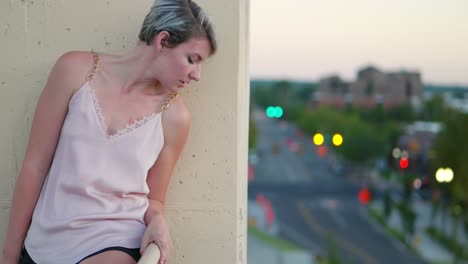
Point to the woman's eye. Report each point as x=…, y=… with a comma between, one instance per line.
x=190, y=60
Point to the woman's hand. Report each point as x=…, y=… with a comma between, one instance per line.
x=157, y=231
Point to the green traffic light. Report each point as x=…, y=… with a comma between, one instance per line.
x=274, y=112
x=278, y=112
x=270, y=111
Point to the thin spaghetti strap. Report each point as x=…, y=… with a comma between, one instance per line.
x=95, y=66
x=169, y=101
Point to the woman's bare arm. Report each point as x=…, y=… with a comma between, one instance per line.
x=176, y=125
x=51, y=110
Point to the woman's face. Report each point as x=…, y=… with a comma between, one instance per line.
x=182, y=64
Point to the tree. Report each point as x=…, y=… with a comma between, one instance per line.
x=403, y=112
x=305, y=91
x=262, y=95
x=283, y=91
x=332, y=256
x=362, y=143
x=451, y=151
x=387, y=205
x=434, y=109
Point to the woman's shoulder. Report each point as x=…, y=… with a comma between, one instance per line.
x=76, y=59
x=74, y=67
x=177, y=115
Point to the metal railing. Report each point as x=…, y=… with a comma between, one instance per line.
x=151, y=255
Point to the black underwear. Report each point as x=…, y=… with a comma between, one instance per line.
x=132, y=252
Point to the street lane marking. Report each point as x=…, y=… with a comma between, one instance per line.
x=331, y=205
x=315, y=226
x=299, y=237
x=338, y=219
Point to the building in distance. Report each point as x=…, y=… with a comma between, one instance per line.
x=372, y=87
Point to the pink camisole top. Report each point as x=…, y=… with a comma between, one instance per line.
x=95, y=194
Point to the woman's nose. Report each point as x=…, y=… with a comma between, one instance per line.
x=195, y=74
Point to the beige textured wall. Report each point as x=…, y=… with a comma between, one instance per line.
x=206, y=203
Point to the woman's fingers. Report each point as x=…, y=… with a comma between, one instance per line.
x=164, y=245
x=163, y=258
x=165, y=252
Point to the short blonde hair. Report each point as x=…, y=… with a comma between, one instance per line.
x=183, y=19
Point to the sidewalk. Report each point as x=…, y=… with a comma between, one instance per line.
x=259, y=252
x=263, y=244
x=429, y=250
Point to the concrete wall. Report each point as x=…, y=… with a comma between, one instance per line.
x=206, y=203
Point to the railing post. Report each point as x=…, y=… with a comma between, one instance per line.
x=151, y=255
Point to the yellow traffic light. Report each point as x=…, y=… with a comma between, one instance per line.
x=337, y=140
x=318, y=139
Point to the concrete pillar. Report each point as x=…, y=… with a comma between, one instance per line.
x=206, y=203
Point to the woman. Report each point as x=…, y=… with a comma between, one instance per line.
x=106, y=134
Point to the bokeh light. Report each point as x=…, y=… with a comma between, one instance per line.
x=337, y=140
x=404, y=154
x=396, y=153
x=318, y=139
x=364, y=196
x=404, y=163
x=417, y=183
x=322, y=151
x=274, y=112
x=444, y=175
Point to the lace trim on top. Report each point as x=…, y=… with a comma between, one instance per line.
x=131, y=126
x=125, y=130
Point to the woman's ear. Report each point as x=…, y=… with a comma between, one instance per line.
x=161, y=41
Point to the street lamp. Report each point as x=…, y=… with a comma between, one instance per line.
x=444, y=176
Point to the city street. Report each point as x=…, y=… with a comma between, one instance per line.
x=313, y=204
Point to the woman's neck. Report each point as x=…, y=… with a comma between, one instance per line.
x=130, y=70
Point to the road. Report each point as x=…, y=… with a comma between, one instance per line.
x=313, y=204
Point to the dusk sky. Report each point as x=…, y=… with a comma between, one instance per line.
x=310, y=39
